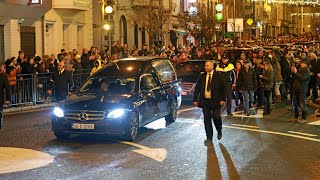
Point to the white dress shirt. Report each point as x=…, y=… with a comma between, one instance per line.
x=207, y=94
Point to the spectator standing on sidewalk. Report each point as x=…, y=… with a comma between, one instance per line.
x=301, y=79
x=85, y=62
x=4, y=91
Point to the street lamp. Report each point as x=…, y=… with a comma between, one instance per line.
x=192, y=1
x=108, y=10
x=107, y=27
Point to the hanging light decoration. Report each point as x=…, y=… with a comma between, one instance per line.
x=295, y=2
x=306, y=14
x=291, y=2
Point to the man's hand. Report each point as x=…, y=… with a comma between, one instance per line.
x=6, y=102
x=260, y=76
x=222, y=103
x=196, y=104
x=294, y=69
x=49, y=92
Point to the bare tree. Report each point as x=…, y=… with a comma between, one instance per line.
x=153, y=16
x=200, y=24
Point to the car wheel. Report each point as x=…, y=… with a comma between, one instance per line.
x=173, y=113
x=132, y=127
x=61, y=135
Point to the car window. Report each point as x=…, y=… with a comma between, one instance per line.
x=165, y=71
x=110, y=85
x=148, y=82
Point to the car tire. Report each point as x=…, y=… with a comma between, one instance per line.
x=132, y=127
x=61, y=135
x=173, y=112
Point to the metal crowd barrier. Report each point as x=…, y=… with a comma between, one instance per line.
x=32, y=89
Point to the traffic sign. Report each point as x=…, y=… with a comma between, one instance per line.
x=249, y=21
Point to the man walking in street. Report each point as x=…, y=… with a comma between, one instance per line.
x=210, y=95
x=4, y=88
x=62, y=80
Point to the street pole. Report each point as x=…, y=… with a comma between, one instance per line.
x=301, y=19
x=109, y=36
x=102, y=23
x=234, y=19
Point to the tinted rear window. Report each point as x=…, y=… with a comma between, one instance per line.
x=121, y=69
x=165, y=71
x=189, y=71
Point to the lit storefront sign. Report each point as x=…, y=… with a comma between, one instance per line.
x=34, y=2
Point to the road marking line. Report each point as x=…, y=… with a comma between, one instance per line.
x=19, y=159
x=189, y=109
x=241, y=114
x=158, y=154
x=242, y=125
x=300, y=133
x=315, y=123
x=272, y=132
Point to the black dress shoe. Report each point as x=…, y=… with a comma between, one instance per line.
x=229, y=114
x=219, y=135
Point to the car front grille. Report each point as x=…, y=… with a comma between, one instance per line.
x=84, y=115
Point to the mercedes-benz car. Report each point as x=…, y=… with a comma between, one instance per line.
x=120, y=98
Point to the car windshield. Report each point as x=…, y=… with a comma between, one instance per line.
x=110, y=85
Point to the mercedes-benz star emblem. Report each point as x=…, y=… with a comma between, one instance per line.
x=83, y=116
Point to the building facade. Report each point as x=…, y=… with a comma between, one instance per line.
x=44, y=28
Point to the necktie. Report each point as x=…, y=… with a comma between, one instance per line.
x=209, y=83
x=59, y=72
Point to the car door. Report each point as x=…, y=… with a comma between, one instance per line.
x=161, y=99
x=148, y=96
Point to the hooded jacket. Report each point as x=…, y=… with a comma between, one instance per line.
x=228, y=71
x=95, y=69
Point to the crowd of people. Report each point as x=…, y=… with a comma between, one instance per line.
x=260, y=78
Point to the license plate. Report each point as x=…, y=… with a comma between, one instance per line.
x=82, y=126
x=183, y=93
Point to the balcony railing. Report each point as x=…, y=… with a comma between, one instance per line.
x=72, y=4
x=144, y=3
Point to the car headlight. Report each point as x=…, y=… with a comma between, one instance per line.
x=117, y=113
x=58, y=112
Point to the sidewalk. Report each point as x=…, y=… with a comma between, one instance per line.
x=28, y=107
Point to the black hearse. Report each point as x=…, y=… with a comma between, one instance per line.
x=120, y=98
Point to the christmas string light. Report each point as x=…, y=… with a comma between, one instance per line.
x=306, y=14
x=295, y=2
x=291, y=2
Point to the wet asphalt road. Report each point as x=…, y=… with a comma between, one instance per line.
x=251, y=148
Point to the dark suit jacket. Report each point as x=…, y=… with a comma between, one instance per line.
x=62, y=83
x=4, y=88
x=218, y=92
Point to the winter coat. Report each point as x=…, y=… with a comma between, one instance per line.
x=267, y=80
x=247, y=80
x=12, y=75
x=301, y=80
x=95, y=69
x=228, y=71
x=276, y=69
